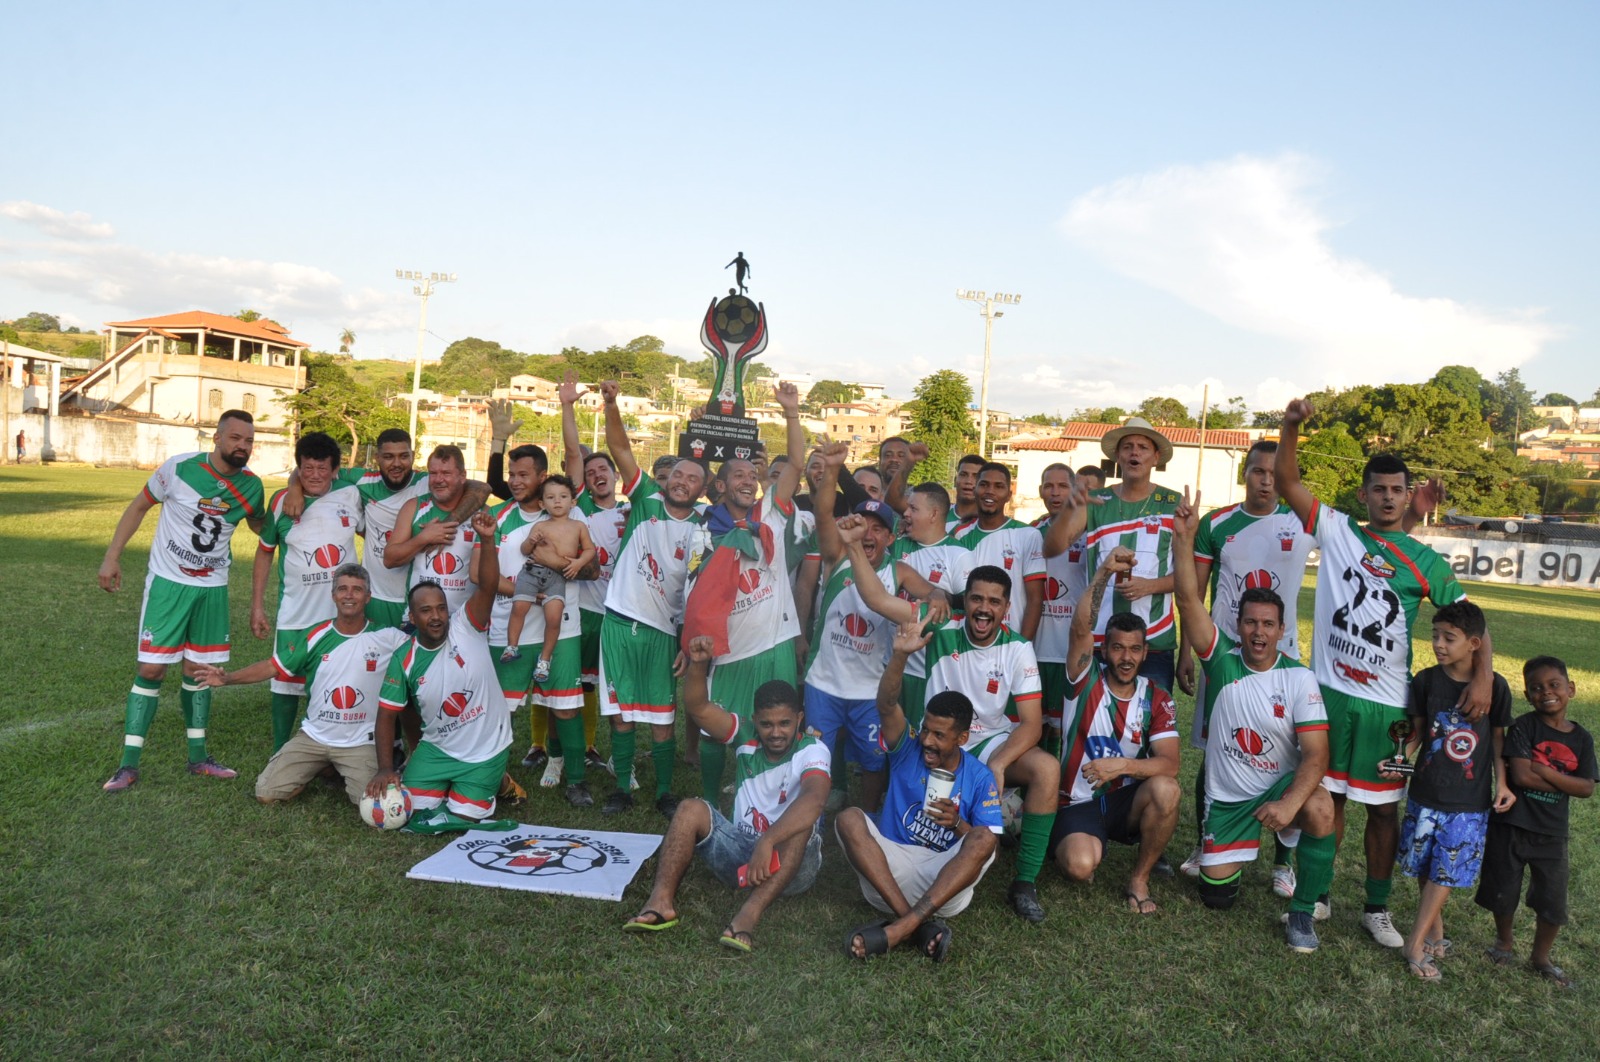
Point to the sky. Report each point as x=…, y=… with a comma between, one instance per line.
x=1260, y=198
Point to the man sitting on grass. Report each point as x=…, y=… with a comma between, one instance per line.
x=773, y=844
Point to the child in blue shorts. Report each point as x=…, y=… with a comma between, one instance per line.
x=1460, y=775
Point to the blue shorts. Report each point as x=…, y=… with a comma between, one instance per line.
x=727, y=848
x=1444, y=847
x=827, y=715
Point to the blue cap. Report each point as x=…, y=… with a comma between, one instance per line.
x=880, y=510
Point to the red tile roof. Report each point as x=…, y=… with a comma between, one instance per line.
x=1075, y=432
x=262, y=330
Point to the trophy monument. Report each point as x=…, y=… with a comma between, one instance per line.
x=734, y=331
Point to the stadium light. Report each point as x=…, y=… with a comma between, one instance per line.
x=424, y=289
x=989, y=314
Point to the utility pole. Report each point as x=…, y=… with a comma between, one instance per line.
x=423, y=286
x=989, y=314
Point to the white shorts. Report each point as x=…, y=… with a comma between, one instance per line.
x=914, y=867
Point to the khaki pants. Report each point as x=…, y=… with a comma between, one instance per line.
x=303, y=757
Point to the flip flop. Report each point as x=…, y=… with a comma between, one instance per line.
x=874, y=940
x=1423, y=969
x=1439, y=949
x=660, y=922
x=1552, y=973
x=1139, y=902
x=1500, y=957
x=731, y=939
x=936, y=933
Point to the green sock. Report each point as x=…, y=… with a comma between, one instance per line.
x=712, y=759
x=1033, y=844
x=1315, y=857
x=285, y=706
x=570, y=733
x=1378, y=891
x=1281, y=852
x=1200, y=804
x=554, y=743
x=196, y=701
x=662, y=754
x=142, y=701
x=622, y=746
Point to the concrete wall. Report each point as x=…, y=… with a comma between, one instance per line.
x=123, y=443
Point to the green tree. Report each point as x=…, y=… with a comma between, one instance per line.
x=1508, y=404
x=1395, y=416
x=1465, y=381
x=1234, y=415
x=248, y=315
x=1096, y=415
x=89, y=348
x=474, y=366
x=1162, y=411
x=940, y=421
x=827, y=392
x=1330, y=466
x=335, y=403
x=1267, y=418
x=9, y=334
x=347, y=339
x=1042, y=419
x=1556, y=398
x=37, y=322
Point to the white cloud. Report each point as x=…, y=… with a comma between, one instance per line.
x=55, y=222
x=1243, y=241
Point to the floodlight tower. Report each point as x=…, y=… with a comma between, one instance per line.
x=423, y=286
x=987, y=309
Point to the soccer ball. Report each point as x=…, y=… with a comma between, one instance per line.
x=1011, y=811
x=389, y=811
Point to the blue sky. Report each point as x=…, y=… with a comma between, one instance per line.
x=1265, y=198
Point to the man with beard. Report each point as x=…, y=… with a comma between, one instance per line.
x=639, y=656
x=752, y=609
x=1269, y=745
x=1119, y=747
x=922, y=856
x=1010, y=545
x=446, y=670
x=428, y=539
x=185, y=614
x=774, y=843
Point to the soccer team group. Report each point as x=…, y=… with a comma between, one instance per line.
x=988, y=677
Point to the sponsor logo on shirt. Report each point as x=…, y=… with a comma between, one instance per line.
x=1286, y=540
x=444, y=563
x=1260, y=579
x=327, y=556
x=1358, y=675
x=345, y=698
x=1253, y=749
x=454, y=704
x=1377, y=565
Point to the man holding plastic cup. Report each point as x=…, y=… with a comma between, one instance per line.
x=935, y=836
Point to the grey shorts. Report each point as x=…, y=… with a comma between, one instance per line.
x=536, y=579
x=727, y=848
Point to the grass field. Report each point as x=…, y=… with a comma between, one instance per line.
x=184, y=919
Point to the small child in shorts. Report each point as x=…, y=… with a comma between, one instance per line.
x=1460, y=775
x=558, y=549
x=1551, y=759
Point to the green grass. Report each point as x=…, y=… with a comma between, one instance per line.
x=184, y=919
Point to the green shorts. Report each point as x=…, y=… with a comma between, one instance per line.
x=515, y=675
x=1053, y=682
x=636, y=671
x=283, y=641
x=1358, y=737
x=563, y=690
x=589, y=622
x=465, y=789
x=914, y=698
x=1232, y=833
x=733, y=685
x=181, y=622
x=386, y=613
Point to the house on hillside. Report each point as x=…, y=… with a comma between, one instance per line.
x=189, y=367
x=862, y=426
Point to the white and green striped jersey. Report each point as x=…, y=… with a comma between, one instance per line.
x=1014, y=547
x=1146, y=528
x=1246, y=552
x=344, y=674
x=464, y=712
x=514, y=524
x=647, y=583
x=308, y=550
x=851, y=641
x=200, y=507
x=449, y=565
x=1254, y=720
x=381, y=505
x=605, y=528
x=944, y=564
x=763, y=789
x=997, y=678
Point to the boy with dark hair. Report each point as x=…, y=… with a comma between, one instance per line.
x=1447, y=808
x=1551, y=759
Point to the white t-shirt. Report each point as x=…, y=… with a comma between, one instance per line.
x=1013, y=547
x=997, y=678
x=345, y=676
x=851, y=640
x=309, y=550
x=464, y=712
x=763, y=789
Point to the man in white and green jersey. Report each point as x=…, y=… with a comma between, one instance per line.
x=926, y=559
x=428, y=539
x=756, y=607
x=1268, y=748
x=1065, y=578
x=1371, y=581
x=1014, y=547
x=343, y=662
x=446, y=671
x=185, y=614
x=308, y=549
x=644, y=607
x=773, y=844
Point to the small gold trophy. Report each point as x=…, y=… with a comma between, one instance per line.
x=1400, y=733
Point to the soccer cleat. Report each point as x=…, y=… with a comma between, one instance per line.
x=667, y=804
x=541, y=671
x=1381, y=926
x=1024, y=899
x=511, y=790
x=1191, y=866
x=511, y=653
x=617, y=803
x=1283, y=880
x=124, y=778
x=578, y=796
x=210, y=768
x=535, y=758
x=1299, y=929
x=592, y=760
x=552, y=772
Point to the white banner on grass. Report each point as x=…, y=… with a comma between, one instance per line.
x=1522, y=563
x=542, y=859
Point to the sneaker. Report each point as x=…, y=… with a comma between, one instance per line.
x=541, y=671
x=667, y=804
x=1323, y=912
x=578, y=796
x=1381, y=926
x=210, y=768
x=1191, y=866
x=511, y=790
x=552, y=772
x=1024, y=899
x=510, y=653
x=1163, y=869
x=125, y=778
x=1299, y=929
x=617, y=803
x=592, y=760
x=633, y=781
x=1283, y=880
x=535, y=758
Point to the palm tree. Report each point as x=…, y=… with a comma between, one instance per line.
x=347, y=339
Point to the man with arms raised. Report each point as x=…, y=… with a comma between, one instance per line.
x=1268, y=748
x=343, y=661
x=308, y=548
x=920, y=858
x=781, y=782
x=1372, y=578
x=185, y=614
x=428, y=537
x=1119, y=747
x=446, y=670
